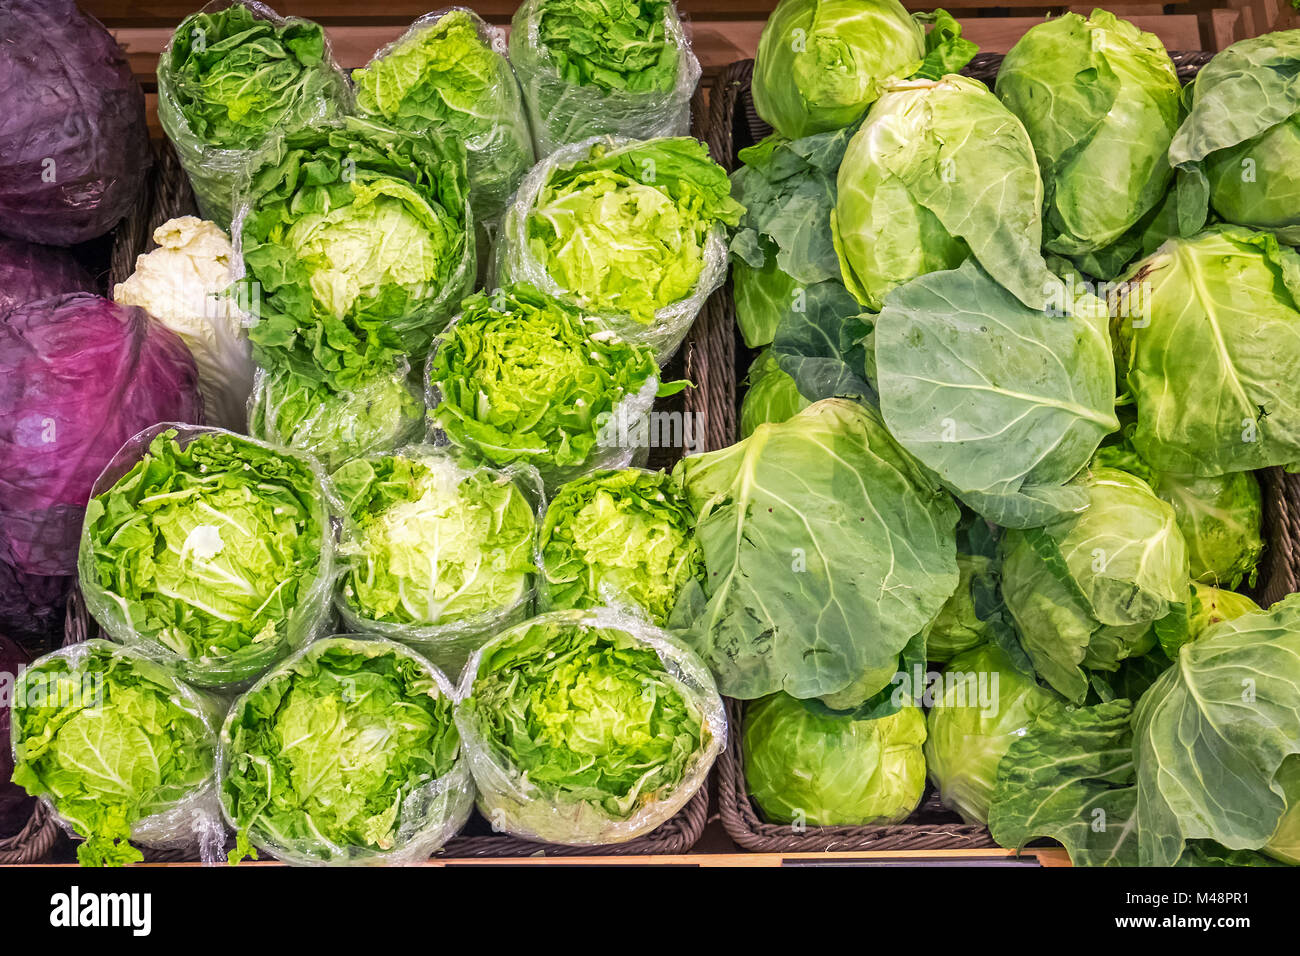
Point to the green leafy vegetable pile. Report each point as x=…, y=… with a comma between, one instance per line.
x=214, y=548
x=435, y=554
x=630, y=232
x=598, y=67
x=522, y=378
x=619, y=538
x=1027, y=358
x=346, y=754
x=231, y=77
x=586, y=727
x=449, y=71
x=120, y=747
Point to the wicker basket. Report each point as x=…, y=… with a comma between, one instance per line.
x=705, y=359
x=733, y=125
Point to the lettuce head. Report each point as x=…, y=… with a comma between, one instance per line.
x=114, y=740
x=217, y=550
x=346, y=754
x=359, y=244
x=619, y=538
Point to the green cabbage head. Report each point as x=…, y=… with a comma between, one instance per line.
x=939, y=172
x=1099, y=98
x=1239, y=146
x=985, y=704
x=1086, y=591
x=821, y=63
x=805, y=764
x=772, y=395
x=1220, y=516
x=1207, y=339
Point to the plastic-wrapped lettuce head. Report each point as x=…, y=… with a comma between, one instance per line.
x=821, y=63
x=215, y=549
x=632, y=232
x=804, y=764
x=1240, y=143
x=381, y=411
x=940, y=171
x=1099, y=98
x=772, y=395
x=986, y=703
x=434, y=552
x=587, y=727
x=598, y=67
x=121, y=748
x=523, y=378
x=359, y=244
x=1206, y=341
x=449, y=69
x=345, y=754
x=1284, y=844
x=229, y=78
x=1088, y=592
x=622, y=539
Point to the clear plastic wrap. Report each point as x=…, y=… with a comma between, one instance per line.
x=157, y=759
x=611, y=448
x=518, y=260
x=435, y=73
x=320, y=92
x=194, y=591
x=347, y=280
x=417, y=524
x=622, y=539
x=379, y=415
x=350, y=758
x=562, y=112
x=631, y=774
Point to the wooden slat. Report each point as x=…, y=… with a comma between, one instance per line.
x=170, y=12
x=717, y=43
